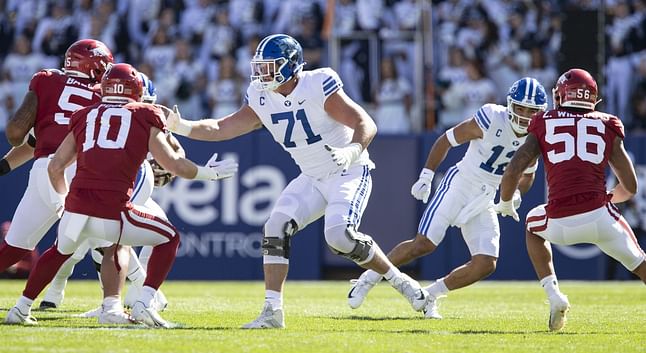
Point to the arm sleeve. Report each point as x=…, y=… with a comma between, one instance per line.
x=36, y=79
x=617, y=126
x=155, y=117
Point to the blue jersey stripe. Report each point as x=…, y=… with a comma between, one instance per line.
x=329, y=85
x=437, y=200
x=363, y=196
x=435, y=197
x=332, y=90
x=484, y=115
x=351, y=215
x=327, y=80
x=482, y=121
x=139, y=181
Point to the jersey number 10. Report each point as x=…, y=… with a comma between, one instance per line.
x=102, y=140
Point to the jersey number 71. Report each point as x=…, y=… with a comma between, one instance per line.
x=300, y=116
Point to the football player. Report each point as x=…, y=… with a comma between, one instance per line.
x=327, y=134
x=465, y=195
x=577, y=143
x=53, y=95
x=110, y=140
x=149, y=175
x=45, y=111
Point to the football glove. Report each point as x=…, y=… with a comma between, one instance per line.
x=506, y=208
x=343, y=157
x=517, y=199
x=214, y=169
x=161, y=175
x=421, y=190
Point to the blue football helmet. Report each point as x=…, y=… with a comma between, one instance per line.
x=530, y=94
x=150, y=95
x=278, y=58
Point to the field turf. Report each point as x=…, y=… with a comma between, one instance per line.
x=487, y=317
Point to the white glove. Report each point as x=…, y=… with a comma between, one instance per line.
x=345, y=156
x=175, y=123
x=517, y=199
x=421, y=190
x=506, y=208
x=214, y=169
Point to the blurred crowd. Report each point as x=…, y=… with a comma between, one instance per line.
x=197, y=52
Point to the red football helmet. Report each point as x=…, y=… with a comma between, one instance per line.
x=576, y=88
x=121, y=83
x=88, y=58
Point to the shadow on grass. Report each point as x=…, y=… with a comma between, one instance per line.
x=371, y=318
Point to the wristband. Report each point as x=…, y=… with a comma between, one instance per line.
x=4, y=167
x=451, y=137
x=205, y=173
x=183, y=128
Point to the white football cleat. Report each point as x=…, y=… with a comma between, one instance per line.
x=559, y=306
x=115, y=318
x=268, y=318
x=148, y=316
x=15, y=316
x=431, y=309
x=359, y=290
x=91, y=313
x=159, y=302
x=410, y=288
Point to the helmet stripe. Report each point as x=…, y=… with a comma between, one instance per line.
x=534, y=88
x=529, y=89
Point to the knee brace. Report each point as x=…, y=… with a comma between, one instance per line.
x=350, y=244
x=277, y=240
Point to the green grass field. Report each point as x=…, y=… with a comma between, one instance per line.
x=487, y=317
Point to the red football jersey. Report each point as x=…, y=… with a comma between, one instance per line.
x=58, y=97
x=575, y=146
x=111, y=143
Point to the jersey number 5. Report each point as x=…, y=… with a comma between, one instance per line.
x=300, y=116
x=577, y=144
x=65, y=104
x=124, y=115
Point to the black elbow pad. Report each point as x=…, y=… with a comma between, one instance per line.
x=4, y=167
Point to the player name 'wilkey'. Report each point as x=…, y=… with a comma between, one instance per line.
x=564, y=114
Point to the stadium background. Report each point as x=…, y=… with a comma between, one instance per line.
x=417, y=66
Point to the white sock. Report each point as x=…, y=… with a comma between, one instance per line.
x=274, y=298
x=392, y=273
x=136, y=273
x=437, y=289
x=372, y=276
x=147, y=295
x=24, y=304
x=550, y=285
x=112, y=304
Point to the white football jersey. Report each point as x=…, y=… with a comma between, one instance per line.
x=300, y=123
x=486, y=158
